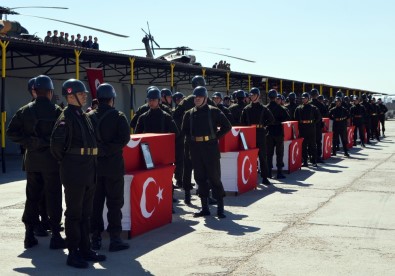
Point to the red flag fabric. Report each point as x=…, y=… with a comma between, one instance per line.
x=151, y=199
x=95, y=78
x=295, y=155
x=247, y=170
x=327, y=145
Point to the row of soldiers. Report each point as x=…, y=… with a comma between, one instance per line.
x=63, y=38
x=81, y=151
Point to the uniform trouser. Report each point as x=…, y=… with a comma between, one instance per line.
x=342, y=132
x=278, y=143
x=368, y=128
x=206, y=164
x=309, y=145
x=262, y=153
x=43, y=208
x=359, y=129
x=179, y=159
x=47, y=183
x=382, y=122
x=79, y=184
x=109, y=188
x=187, y=167
x=318, y=139
x=374, y=131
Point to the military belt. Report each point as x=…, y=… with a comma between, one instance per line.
x=202, y=138
x=260, y=126
x=357, y=116
x=83, y=151
x=374, y=114
x=306, y=121
x=340, y=119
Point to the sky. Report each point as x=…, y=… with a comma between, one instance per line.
x=344, y=43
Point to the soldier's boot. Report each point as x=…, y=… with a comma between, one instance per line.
x=116, y=243
x=57, y=242
x=187, y=199
x=30, y=239
x=96, y=240
x=39, y=230
x=346, y=154
x=383, y=134
x=205, y=209
x=305, y=164
x=269, y=173
x=280, y=173
x=334, y=151
x=75, y=259
x=220, y=208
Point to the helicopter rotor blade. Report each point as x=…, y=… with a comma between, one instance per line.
x=40, y=7
x=223, y=55
x=128, y=50
x=78, y=25
x=144, y=31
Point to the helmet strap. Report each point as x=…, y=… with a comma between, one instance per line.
x=78, y=101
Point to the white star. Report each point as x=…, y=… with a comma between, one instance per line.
x=160, y=195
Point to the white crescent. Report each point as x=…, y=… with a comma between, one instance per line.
x=97, y=83
x=132, y=143
x=242, y=170
x=293, y=153
x=235, y=132
x=289, y=124
x=327, y=144
x=143, y=200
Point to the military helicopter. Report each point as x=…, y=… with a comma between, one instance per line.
x=15, y=29
x=176, y=54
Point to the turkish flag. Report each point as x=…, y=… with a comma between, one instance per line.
x=327, y=145
x=295, y=155
x=291, y=130
x=325, y=128
x=151, y=199
x=247, y=170
x=350, y=137
x=95, y=78
x=231, y=141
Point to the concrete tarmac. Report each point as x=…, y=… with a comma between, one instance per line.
x=337, y=219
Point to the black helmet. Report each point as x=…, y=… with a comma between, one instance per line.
x=43, y=82
x=369, y=97
x=217, y=94
x=150, y=87
x=339, y=93
x=198, y=81
x=255, y=91
x=320, y=97
x=281, y=97
x=30, y=85
x=227, y=97
x=338, y=99
x=105, y=91
x=177, y=96
x=153, y=94
x=272, y=93
x=292, y=96
x=73, y=86
x=314, y=92
x=200, y=91
x=346, y=98
x=240, y=94
x=165, y=92
x=305, y=95
x=363, y=96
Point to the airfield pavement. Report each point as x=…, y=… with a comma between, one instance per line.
x=337, y=219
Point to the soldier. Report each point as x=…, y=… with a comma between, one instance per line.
x=339, y=115
x=112, y=135
x=320, y=124
x=72, y=40
x=200, y=125
x=374, y=132
x=368, y=116
x=186, y=104
x=55, y=38
x=48, y=37
x=217, y=99
x=382, y=110
x=78, y=41
x=31, y=127
x=145, y=108
x=275, y=138
x=62, y=39
x=73, y=143
x=357, y=114
x=292, y=105
x=226, y=101
x=309, y=118
x=177, y=98
x=257, y=114
x=166, y=97
x=95, y=44
x=238, y=107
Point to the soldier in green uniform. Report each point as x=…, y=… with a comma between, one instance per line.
x=73, y=144
x=203, y=125
x=382, y=109
x=238, y=107
x=292, y=105
x=357, y=114
x=217, y=99
x=339, y=115
x=112, y=134
x=320, y=124
x=257, y=114
x=31, y=127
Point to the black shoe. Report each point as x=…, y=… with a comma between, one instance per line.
x=333, y=154
x=280, y=175
x=346, y=154
x=57, y=242
x=118, y=245
x=363, y=145
x=221, y=215
x=30, y=241
x=39, y=231
x=305, y=164
x=75, y=259
x=212, y=201
x=202, y=213
x=266, y=181
x=315, y=165
x=93, y=256
x=96, y=241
